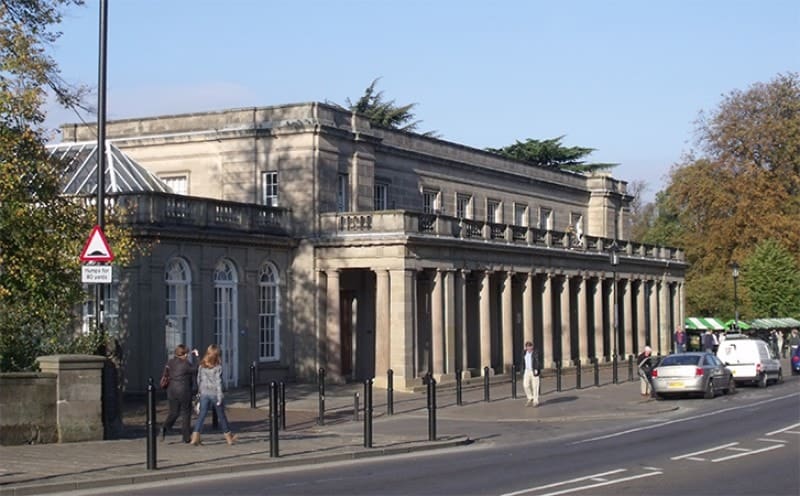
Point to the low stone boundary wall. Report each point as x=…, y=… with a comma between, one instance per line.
x=28, y=408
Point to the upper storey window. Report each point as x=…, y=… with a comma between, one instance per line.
x=178, y=183
x=546, y=219
x=463, y=206
x=494, y=213
x=269, y=187
x=381, y=196
x=430, y=201
x=342, y=190
x=520, y=214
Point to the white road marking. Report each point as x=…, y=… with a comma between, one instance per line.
x=696, y=459
x=687, y=419
x=688, y=455
x=773, y=440
x=570, y=481
x=651, y=468
x=785, y=429
x=752, y=452
x=739, y=449
x=601, y=484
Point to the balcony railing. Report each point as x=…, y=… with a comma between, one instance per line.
x=170, y=210
x=389, y=222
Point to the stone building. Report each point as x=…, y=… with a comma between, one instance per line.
x=299, y=237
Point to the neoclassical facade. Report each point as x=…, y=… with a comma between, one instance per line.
x=299, y=237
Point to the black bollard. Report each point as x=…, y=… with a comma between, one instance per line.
x=513, y=381
x=458, y=388
x=486, y=384
x=578, y=373
x=558, y=375
x=630, y=367
x=321, y=389
x=431, y=408
x=282, y=406
x=614, y=369
x=253, y=385
x=151, y=425
x=596, y=372
x=390, y=392
x=355, y=407
x=214, y=419
x=368, y=413
x=273, y=420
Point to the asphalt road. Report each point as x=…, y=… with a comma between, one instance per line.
x=747, y=443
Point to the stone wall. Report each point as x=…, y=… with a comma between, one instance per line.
x=28, y=408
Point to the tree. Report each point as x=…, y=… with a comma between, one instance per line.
x=383, y=113
x=772, y=278
x=551, y=153
x=41, y=231
x=740, y=186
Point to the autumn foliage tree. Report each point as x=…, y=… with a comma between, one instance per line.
x=740, y=187
x=41, y=231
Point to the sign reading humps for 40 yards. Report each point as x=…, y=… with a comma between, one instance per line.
x=96, y=274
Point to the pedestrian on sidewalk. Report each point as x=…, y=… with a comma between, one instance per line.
x=209, y=385
x=680, y=340
x=530, y=375
x=645, y=368
x=181, y=370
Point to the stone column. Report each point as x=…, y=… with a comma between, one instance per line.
x=402, y=329
x=78, y=393
x=583, y=323
x=382, y=326
x=599, y=312
x=508, y=322
x=333, y=332
x=627, y=305
x=461, y=322
x=449, y=322
x=613, y=310
x=437, y=326
x=676, y=312
x=485, y=322
x=565, y=338
x=527, y=310
x=663, y=315
x=547, y=321
x=653, y=308
x=641, y=318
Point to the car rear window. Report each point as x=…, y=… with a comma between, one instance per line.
x=680, y=360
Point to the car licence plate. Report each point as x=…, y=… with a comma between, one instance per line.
x=674, y=384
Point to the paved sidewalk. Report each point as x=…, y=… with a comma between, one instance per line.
x=39, y=469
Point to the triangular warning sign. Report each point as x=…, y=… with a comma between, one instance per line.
x=96, y=248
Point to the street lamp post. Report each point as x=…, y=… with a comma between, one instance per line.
x=613, y=256
x=735, y=272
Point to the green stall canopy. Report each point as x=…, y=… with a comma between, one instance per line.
x=703, y=323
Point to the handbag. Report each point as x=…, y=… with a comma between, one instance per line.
x=164, y=382
x=196, y=406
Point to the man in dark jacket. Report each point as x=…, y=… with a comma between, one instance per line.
x=181, y=372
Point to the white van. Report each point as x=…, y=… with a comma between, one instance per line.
x=750, y=360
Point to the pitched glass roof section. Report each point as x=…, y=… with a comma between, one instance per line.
x=122, y=174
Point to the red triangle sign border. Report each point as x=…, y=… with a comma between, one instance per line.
x=100, y=251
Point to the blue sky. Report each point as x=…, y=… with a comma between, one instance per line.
x=625, y=77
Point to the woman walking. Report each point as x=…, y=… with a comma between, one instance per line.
x=180, y=370
x=209, y=384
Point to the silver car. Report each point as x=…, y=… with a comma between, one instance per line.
x=696, y=372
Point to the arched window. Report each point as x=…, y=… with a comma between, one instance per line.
x=268, y=313
x=178, y=282
x=226, y=320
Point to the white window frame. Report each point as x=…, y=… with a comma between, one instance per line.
x=178, y=319
x=178, y=183
x=269, y=322
x=342, y=192
x=380, y=196
x=430, y=201
x=494, y=211
x=463, y=206
x=546, y=218
x=226, y=320
x=520, y=214
x=269, y=188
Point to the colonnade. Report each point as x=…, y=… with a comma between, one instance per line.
x=444, y=320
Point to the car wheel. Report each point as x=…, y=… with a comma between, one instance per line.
x=762, y=380
x=731, y=386
x=709, y=393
